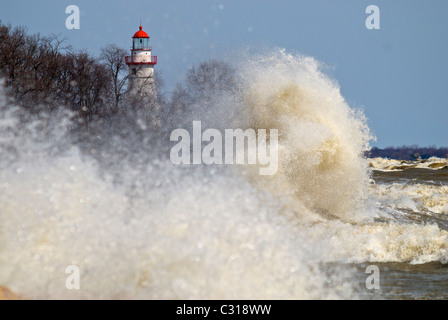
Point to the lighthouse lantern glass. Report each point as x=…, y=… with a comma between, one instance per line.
x=140, y=44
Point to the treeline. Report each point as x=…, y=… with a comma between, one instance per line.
x=413, y=152
x=50, y=82
x=42, y=72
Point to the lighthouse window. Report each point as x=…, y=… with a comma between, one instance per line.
x=141, y=43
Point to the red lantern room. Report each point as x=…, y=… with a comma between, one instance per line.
x=140, y=40
x=141, y=50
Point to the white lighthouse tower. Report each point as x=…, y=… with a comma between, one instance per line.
x=141, y=65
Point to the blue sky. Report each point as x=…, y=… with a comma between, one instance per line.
x=398, y=74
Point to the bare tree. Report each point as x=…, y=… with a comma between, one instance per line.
x=114, y=60
x=30, y=64
x=87, y=90
x=12, y=55
x=180, y=100
x=209, y=78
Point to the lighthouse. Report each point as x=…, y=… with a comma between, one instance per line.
x=141, y=65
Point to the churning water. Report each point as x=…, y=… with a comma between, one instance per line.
x=110, y=202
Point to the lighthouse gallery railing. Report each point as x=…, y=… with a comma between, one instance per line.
x=141, y=60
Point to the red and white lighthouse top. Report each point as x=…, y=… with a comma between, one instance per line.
x=140, y=34
x=141, y=50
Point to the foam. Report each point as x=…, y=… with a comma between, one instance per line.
x=149, y=229
x=383, y=164
x=417, y=197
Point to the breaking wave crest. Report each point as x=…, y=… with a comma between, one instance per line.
x=433, y=163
